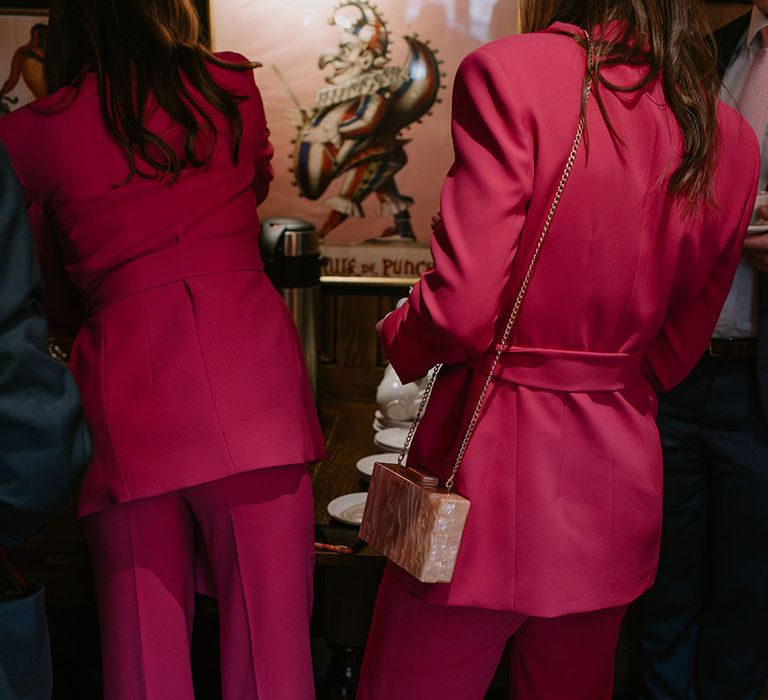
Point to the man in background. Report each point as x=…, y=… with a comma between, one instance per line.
x=704, y=625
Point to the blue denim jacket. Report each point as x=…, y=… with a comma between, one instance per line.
x=44, y=442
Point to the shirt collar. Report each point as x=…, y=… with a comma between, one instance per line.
x=757, y=22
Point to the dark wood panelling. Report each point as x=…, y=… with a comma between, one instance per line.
x=23, y=6
x=721, y=13
x=351, y=360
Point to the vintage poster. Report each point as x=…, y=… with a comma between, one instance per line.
x=22, y=47
x=358, y=99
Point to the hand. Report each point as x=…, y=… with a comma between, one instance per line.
x=400, y=302
x=756, y=250
x=437, y=219
x=323, y=133
x=59, y=346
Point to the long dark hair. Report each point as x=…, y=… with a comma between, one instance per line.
x=143, y=52
x=674, y=39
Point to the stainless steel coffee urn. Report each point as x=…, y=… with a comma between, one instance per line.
x=290, y=249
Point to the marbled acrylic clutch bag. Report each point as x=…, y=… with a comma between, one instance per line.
x=408, y=517
x=414, y=522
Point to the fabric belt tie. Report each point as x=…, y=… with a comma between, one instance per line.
x=563, y=370
x=173, y=265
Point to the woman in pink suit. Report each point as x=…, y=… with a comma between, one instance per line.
x=143, y=171
x=564, y=472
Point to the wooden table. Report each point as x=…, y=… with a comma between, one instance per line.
x=345, y=584
x=349, y=436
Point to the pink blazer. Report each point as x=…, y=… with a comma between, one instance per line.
x=187, y=360
x=564, y=472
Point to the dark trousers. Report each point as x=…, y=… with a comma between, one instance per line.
x=704, y=624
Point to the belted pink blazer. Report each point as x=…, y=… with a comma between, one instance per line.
x=187, y=359
x=564, y=472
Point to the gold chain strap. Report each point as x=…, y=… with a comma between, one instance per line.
x=513, y=315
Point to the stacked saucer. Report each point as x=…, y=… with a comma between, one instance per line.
x=392, y=439
x=348, y=509
x=381, y=422
x=395, y=399
x=365, y=465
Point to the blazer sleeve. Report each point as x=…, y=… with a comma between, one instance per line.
x=263, y=151
x=255, y=131
x=692, y=316
x=44, y=442
x=61, y=300
x=451, y=312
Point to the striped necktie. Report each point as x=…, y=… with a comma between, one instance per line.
x=754, y=95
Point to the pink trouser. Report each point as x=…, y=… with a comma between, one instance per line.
x=417, y=650
x=257, y=528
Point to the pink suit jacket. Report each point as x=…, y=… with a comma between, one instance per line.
x=564, y=472
x=187, y=360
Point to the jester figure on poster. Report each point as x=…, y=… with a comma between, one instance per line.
x=353, y=131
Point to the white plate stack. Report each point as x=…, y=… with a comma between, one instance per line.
x=349, y=508
x=392, y=439
x=365, y=465
x=381, y=422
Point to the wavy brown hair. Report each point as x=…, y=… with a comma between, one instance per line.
x=672, y=37
x=144, y=52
